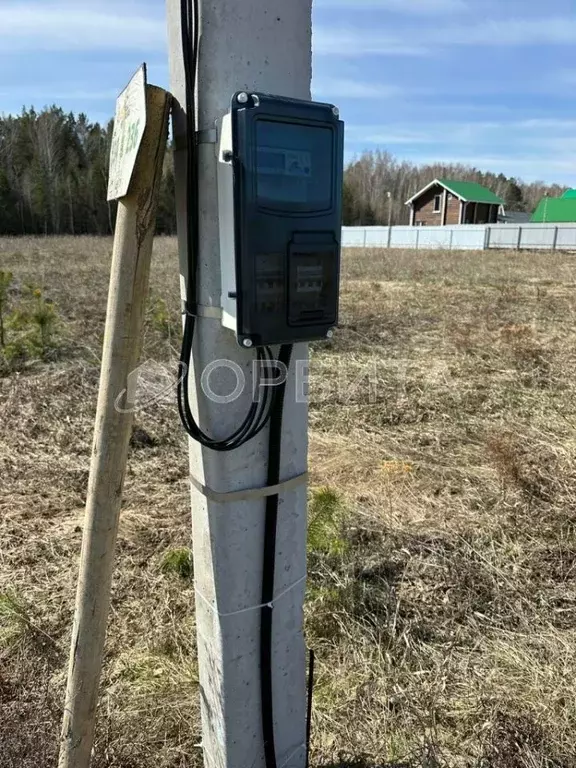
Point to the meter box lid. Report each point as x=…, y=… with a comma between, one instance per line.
x=287, y=157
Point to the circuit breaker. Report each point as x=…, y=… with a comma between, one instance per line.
x=280, y=168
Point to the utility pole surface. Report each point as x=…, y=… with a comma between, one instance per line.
x=251, y=45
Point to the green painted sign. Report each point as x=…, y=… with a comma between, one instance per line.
x=129, y=126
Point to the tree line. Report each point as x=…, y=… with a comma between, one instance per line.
x=54, y=176
x=377, y=185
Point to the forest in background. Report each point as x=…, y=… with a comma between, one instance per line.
x=54, y=175
x=370, y=177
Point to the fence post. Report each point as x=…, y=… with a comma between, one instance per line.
x=389, y=237
x=451, y=239
x=365, y=234
x=416, y=246
x=487, y=238
x=555, y=239
x=519, y=241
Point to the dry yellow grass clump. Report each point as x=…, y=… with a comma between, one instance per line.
x=442, y=591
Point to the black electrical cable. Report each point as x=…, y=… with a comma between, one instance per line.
x=256, y=418
x=269, y=564
x=259, y=412
x=311, y=660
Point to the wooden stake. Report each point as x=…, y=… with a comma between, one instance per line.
x=122, y=343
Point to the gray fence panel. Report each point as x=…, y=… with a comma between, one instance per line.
x=405, y=237
x=537, y=236
x=504, y=236
x=468, y=238
x=377, y=237
x=463, y=237
x=566, y=237
x=353, y=237
x=435, y=237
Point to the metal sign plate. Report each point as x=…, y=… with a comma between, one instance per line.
x=129, y=125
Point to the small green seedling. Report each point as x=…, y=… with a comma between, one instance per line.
x=326, y=515
x=5, y=283
x=178, y=561
x=32, y=326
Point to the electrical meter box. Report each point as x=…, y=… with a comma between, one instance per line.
x=280, y=168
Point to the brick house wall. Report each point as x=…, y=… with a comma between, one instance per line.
x=453, y=206
x=424, y=214
x=450, y=210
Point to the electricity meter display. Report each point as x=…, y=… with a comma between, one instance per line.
x=280, y=270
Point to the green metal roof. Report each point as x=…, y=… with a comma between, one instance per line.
x=570, y=194
x=555, y=210
x=471, y=192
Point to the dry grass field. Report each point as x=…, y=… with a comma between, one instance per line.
x=442, y=591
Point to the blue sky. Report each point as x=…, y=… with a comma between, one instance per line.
x=485, y=82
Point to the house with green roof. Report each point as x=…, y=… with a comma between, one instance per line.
x=444, y=202
x=556, y=210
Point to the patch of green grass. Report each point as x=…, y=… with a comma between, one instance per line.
x=5, y=283
x=14, y=621
x=328, y=547
x=161, y=317
x=178, y=561
x=326, y=515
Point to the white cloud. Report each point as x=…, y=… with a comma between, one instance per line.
x=424, y=7
x=386, y=135
x=552, y=168
x=423, y=40
x=440, y=134
x=529, y=148
x=359, y=42
x=63, y=26
x=467, y=142
x=55, y=93
x=343, y=88
x=512, y=32
x=550, y=124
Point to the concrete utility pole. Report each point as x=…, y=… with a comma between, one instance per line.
x=122, y=341
x=249, y=45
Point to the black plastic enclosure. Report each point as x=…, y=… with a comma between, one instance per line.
x=287, y=158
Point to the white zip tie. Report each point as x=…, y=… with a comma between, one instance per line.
x=283, y=765
x=248, y=494
x=252, y=607
x=291, y=755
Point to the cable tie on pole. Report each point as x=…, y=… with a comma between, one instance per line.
x=258, y=607
x=201, y=310
x=208, y=136
x=291, y=755
x=249, y=494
